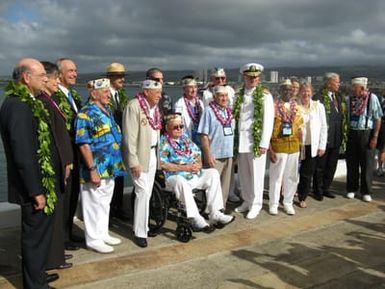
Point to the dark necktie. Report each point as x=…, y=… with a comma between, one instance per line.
x=117, y=98
x=335, y=101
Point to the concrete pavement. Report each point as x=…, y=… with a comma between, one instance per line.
x=337, y=243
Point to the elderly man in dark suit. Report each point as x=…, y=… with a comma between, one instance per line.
x=326, y=166
x=70, y=103
x=25, y=132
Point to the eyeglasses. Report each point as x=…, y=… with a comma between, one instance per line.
x=220, y=78
x=175, y=127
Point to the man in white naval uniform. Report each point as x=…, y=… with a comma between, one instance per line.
x=254, y=137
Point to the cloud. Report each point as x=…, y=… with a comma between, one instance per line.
x=192, y=34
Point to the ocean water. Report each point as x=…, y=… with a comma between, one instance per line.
x=174, y=92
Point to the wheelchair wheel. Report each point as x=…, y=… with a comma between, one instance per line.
x=158, y=208
x=183, y=233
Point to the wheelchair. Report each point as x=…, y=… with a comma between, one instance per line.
x=164, y=205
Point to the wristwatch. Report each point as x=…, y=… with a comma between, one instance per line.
x=92, y=168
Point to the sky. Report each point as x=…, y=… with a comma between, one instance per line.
x=194, y=34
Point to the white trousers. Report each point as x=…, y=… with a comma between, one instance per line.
x=251, y=172
x=284, y=169
x=143, y=191
x=209, y=181
x=96, y=210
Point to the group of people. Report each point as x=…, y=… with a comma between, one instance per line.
x=58, y=147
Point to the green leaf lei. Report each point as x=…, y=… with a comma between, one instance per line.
x=44, y=139
x=123, y=97
x=258, y=117
x=65, y=106
x=345, y=122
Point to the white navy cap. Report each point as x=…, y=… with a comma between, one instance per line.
x=189, y=82
x=151, y=84
x=98, y=83
x=363, y=81
x=218, y=72
x=251, y=69
x=220, y=89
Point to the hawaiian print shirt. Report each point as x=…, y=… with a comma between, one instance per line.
x=100, y=131
x=168, y=155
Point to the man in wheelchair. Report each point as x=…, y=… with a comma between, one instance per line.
x=180, y=160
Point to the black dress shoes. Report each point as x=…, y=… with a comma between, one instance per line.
x=329, y=195
x=68, y=256
x=77, y=239
x=152, y=233
x=71, y=246
x=65, y=265
x=141, y=242
x=318, y=197
x=52, y=277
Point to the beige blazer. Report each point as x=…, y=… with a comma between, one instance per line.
x=136, y=143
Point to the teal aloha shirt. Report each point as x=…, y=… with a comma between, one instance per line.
x=168, y=155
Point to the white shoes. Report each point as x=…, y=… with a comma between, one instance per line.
x=112, y=241
x=350, y=195
x=289, y=209
x=222, y=218
x=101, y=248
x=242, y=208
x=273, y=210
x=199, y=223
x=253, y=213
x=367, y=198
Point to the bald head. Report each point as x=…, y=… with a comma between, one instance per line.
x=31, y=73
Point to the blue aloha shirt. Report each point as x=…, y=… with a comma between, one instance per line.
x=168, y=155
x=101, y=132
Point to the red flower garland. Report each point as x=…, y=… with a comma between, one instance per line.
x=287, y=116
x=194, y=116
x=186, y=151
x=156, y=122
x=216, y=109
x=358, y=105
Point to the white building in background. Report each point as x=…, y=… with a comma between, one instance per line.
x=274, y=76
x=308, y=79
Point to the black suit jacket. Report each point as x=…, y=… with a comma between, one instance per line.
x=334, y=121
x=19, y=133
x=60, y=134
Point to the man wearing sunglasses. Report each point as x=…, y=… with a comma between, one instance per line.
x=217, y=78
x=180, y=159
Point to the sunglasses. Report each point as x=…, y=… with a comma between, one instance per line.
x=175, y=127
x=220, y=78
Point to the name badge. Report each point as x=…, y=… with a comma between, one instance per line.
x=287, y=129
x=227, y=130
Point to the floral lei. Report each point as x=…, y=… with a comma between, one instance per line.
x=287, y=116
x=257, y=115
x=186, y=151
x=224, y=121
x=66, y=107
x=358, y=105
x=194, y=116
x=44, y=140
x=343, y=108
x=156, y=122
